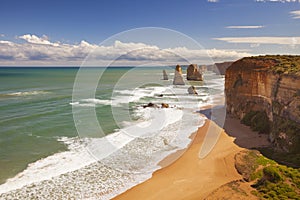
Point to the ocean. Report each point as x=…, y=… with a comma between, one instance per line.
x=74, y=133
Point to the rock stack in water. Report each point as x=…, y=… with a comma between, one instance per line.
x=165, y=75
x=192, y=90
x=178, y=79
x=193, y=73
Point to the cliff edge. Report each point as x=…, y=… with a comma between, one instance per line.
x=264, y=92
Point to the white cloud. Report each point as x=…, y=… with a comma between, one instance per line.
x=41, y=51
x=37, y=40
x=224, y=54
x=2, y=35
x=295, y=14
x=244, y=27
x=262, y=40
x=6, y=42
x=213, y=1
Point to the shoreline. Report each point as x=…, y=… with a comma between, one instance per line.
x=190, y=177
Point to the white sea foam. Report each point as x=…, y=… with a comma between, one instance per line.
x=91, y=102
x=121, y=97
x=101, y=168
x=51, y=166
x=132, y=161
x=26, y=93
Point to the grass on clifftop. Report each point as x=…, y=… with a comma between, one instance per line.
x=270, y=179
x=286, y=64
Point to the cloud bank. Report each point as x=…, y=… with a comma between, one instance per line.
x=262, y=40
x=41, y=51
x=295, y=14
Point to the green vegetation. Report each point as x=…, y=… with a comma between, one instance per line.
x=270, y=179
x=272, y=174
x=258, y=121
x=285, y=64
x=289, y=159
x=278, y=182
x=277, y=107
x=292, y=131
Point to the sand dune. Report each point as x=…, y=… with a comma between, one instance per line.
x=190, y=177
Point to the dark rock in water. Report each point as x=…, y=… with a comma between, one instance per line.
x=194, y=73
x=192, y=90
x=165, y=105
x=165, y=75
x=151, y=105
x=178, y=79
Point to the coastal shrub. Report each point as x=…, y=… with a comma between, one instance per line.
x=258, y=121
x=289, y=159
x=247, y=120
x=277, y=107
x=278, y=182
x=291, y=129
x=286, y=64
x=272, y=180
x=261, y=123
x=272, y=174
x=261, y=160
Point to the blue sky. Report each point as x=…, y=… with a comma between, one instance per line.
x=29, y=29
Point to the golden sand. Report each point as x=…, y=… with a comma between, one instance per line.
x=190, y=177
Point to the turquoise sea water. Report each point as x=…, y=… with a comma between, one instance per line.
x=35, y=110
x=36, y=118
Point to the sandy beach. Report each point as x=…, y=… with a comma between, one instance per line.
x=244, y=136
x=192, y=178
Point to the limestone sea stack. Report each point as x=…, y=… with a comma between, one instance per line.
x=192, y=90
x=165, y=75
x=194, y=73
x=178, y=79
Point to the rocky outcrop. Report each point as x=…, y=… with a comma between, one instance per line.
x=178, y=78
x=165, y=105
x=194, y=73
x=192, y=90
x=165, y=75
x=266, y=98
x=152, y=105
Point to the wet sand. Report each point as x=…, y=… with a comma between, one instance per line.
x=191, y=177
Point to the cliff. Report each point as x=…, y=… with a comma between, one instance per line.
x=264, y=92
x=219, y=68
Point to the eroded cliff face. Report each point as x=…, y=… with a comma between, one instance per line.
x=253, y=86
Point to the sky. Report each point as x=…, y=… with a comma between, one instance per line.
x=68, y=33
